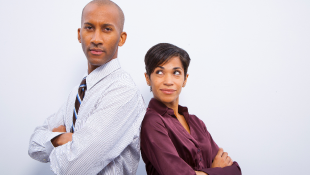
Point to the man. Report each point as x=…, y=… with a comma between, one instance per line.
x=97, y=130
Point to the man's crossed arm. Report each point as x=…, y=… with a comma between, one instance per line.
x=63, y=138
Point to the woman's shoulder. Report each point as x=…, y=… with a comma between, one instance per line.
x=151, y=117
x=195, y=118
x=151, y=113
x=197, y=121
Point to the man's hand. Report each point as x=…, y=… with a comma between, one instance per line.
x=221, y=159
x=63, y=138
x=200, y=173
x=60, y=128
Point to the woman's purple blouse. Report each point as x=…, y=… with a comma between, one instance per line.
x=167, y=148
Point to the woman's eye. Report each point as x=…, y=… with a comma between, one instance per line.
x=159, y=72
x=177, y=73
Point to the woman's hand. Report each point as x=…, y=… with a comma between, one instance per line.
x=221, y=159
x=200, y=173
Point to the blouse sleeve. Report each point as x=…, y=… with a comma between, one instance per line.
x=234, y=169
x=157, y=147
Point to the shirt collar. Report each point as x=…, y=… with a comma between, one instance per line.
x=161, y=108
x=101, y=72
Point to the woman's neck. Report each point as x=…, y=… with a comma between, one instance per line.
x=174, y=106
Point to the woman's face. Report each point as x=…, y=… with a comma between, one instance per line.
x=167, y=81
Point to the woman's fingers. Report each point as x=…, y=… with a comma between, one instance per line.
x=221, y=159
x=220, y=152
x=231, y=162
x=224, y=156
x=228, y=159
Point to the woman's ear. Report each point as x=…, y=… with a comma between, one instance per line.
x=185, y=81
x=147, y=78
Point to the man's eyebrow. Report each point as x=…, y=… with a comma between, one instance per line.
x=106, y=25
x=88, y=23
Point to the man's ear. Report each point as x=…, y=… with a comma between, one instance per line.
x=122, y=39
x=79, y=34
x=185, y=81
x=147, y=78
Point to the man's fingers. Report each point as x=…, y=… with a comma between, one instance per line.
x=220, y=152
x=60, y=128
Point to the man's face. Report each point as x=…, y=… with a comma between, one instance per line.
x=100, y=34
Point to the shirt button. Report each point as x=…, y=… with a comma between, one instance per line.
x=200, y=158
x=44, y=159
x=198, y=150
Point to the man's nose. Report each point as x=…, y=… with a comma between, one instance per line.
x=97, y=38
x=168, y=80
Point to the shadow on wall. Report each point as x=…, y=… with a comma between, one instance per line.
x=141, y=168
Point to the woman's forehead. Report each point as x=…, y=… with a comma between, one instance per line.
x=172, y=63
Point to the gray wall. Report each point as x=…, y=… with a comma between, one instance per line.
x=249, y=76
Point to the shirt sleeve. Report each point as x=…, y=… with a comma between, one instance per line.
x=158, y=149
x=40, y=145
x=109, y=129
x=234, y=169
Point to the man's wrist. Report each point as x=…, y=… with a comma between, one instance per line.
x=55, y=140
x=62, y=139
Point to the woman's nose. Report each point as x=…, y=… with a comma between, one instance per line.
x=168, y=80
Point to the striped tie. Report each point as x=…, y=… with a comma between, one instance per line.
x=78, y=101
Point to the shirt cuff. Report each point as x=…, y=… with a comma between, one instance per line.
x=48, y=145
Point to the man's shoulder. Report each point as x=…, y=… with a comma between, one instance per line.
x=122, y=78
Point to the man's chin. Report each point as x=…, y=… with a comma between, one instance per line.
x=97, y=61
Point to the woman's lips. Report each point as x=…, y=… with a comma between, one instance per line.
x=167, y=91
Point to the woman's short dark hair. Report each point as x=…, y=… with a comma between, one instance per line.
x=161, y=53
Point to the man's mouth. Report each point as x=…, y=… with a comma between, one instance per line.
x=96, y=51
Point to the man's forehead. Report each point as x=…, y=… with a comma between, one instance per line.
x=95, y=12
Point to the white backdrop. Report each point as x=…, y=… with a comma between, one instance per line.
x=249, y=76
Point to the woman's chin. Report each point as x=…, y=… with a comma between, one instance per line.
x=167, y=99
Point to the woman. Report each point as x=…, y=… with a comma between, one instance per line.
x=173, y=141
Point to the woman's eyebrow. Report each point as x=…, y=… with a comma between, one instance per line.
x=172, y=68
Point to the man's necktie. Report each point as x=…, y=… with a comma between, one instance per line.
x=78, y=101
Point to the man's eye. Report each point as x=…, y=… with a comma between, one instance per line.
x=88, y=27
x=159, y=72
x=108, y=29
